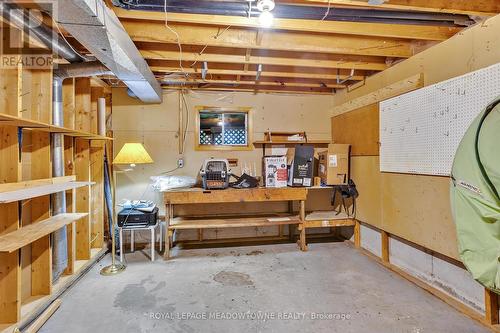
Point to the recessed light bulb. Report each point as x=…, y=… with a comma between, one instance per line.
x=266, y=19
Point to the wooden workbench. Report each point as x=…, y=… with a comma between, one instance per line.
x=200, y=196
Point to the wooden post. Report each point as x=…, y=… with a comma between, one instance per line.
x=357, y=234
x=95, y=94
x=69, y=169
x=83, y=104
x=385, y=246
x=97, y=203
x=41, y=250
x=490, y=307
x=303, y=244
x=69, y=103
x=10, y=268
x=83, y=198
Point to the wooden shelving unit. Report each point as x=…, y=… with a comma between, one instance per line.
x=40, y=190
x=29, y=234
x=26, y=183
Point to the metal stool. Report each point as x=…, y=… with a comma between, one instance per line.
x=132, y=230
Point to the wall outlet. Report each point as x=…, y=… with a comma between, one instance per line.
x=180, y=163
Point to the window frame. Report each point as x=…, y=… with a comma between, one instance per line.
x=249, y=125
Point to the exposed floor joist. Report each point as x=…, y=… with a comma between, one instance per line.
x=309, y=55
x=297, y=75
x=264, y=60
x=236, y=37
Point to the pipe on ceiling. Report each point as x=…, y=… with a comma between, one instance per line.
x=234, y=8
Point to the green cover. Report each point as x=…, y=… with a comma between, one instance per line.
x=474, y=197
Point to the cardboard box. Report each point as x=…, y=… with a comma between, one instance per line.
x=274, y=171
x=333, y=167
x=301, y=168
x=275, y=150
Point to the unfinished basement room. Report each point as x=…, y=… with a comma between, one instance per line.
x=252, y=166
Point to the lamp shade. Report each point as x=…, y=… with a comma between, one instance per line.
x=133, y=153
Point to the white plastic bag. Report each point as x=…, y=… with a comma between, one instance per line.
x=165, y=183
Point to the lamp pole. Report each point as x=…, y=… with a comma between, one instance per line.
x=114, y=268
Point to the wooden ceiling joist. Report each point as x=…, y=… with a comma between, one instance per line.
x=255, y=60
x=245, y=38
x=265, y=73
x=235, y=83
x=418, y=32
x=260, y=89
x=465, y=7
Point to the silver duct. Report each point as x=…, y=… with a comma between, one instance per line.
x=58, y=200
x=85, y=69
x=46, y=35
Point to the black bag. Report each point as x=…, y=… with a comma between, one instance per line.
x=346, y=191
x=244, y=181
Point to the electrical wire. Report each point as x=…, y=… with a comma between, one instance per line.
x=67, y=42
x=187, y=120
x=327, y=11
x=176, y=35
x=217, y=35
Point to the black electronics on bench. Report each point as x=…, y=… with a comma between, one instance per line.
x=133, y=218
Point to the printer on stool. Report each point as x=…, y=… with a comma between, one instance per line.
x=134, y=218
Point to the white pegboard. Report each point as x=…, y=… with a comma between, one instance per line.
x=421, y=130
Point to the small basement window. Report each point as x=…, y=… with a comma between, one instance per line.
x=223, y=128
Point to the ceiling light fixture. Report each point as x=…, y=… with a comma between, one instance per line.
x=266, y=17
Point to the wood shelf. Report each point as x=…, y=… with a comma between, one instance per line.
x=310, y=142
x=319, y=219
x=29, y=192
x=34, y=125
x=15, y=240
x=233, y=222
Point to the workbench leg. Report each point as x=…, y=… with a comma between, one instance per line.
x=357, y=234
x=291, y=229
x=385, y=246
x=161, y=235
x=167, y=223
x=303, y=244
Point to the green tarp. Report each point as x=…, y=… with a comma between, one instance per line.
x=474, y=197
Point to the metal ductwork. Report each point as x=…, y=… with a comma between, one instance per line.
x=83, y=69
x=15, y=15
x=97, y=28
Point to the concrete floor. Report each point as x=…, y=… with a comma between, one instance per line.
x=287, y=288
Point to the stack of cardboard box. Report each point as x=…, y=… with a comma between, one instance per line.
x=297, y=166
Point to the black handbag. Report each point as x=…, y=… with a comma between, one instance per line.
x=347, y=192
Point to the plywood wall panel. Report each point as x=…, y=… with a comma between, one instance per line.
x=366, y=175
x=360, y=128
x=417, y=208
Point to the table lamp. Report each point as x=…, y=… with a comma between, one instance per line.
x=132, y=154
